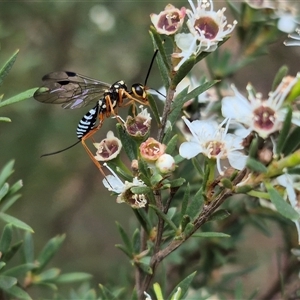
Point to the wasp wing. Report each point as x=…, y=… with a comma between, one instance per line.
x=70, y=89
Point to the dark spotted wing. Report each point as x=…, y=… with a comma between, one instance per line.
x=70, y=89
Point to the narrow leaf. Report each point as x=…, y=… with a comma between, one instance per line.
x=163, y=216
x=128, y=144
x=6, y=238
x=106, y=294
x=4, y=190
x=184, y=286
x=281, y=205
x=7, y=66
x=16, y=222
x=196, y=204
x=12, y=251
x=6, y=171
x=154, y=108
x=256, y=166
x=6, y=282
x=18, y=293
x=47, y=275
x=28, y=248
x=20, y=97
x=5, y=119
x=183, y=71
x=284, y=131
x=19, y=270
x=292, y=142
x=125, y=238
x=211, y=234
x=73, y=277
x=49, y=251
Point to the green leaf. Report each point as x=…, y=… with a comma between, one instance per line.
x=178, y=182
x=12, y=251
x=48, y=275
x=184, y=96
x=6, y=171
x=125, y=250
x=6, y=238
x=125, y=238
x=6, y=282
x=183, y=71
x=18, y=293
x=256, y=166
x=282, y=72
x=2, y=265
x=4, y=190
x=20, y=97
x=28, y=248
x=136, y=241
x=254, y=147
x=292, y=142
x=9, y=202
x=7, y=66
x=171, y=146
x=15, y=187
x=219, y=215
x=140, y=190
x=5, y=119
x=196, y=204
x=284, y=131
x=73, y=277
x=49, y=251
x=185, y=200
x=154, y=108
x=19, y=270
x=281, y=205
x=128, y=143
x=145, y=267
x=106, y=294
x=211, y=234
x=163, y=216
x=14, y=221
x=161, y=58
x=184, y=286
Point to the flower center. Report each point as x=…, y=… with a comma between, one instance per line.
x=264, y=117
x=169, y=22
x=214, y=148
x=108, y=148
x=207, y=27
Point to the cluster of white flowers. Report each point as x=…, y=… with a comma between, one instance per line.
x=206, y=28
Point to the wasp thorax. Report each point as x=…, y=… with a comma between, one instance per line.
x=138, y=90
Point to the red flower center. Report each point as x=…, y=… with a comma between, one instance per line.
x=207, y=26
x=264, y=117
x=169, y=21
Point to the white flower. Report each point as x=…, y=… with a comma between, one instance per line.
x=187, y=43
x=114, y=184
x=292, y=185
x=213, y=141
x=262, y=116
x=295, y=38
x=208, y=26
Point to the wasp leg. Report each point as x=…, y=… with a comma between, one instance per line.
x=87, y=136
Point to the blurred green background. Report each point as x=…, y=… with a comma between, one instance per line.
x=64, y=193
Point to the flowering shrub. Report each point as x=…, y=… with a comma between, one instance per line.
x=238, y=145
x=222, y=157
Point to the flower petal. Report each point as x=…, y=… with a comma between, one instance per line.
x=189, y=149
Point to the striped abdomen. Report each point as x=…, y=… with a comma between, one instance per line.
x=88, y=122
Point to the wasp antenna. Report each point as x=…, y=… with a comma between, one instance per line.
x=59, y=151
x=150, y=67
x=158, y=92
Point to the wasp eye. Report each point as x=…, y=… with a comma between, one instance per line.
x=138, y=90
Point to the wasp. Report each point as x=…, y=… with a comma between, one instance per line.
x=73, y=90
